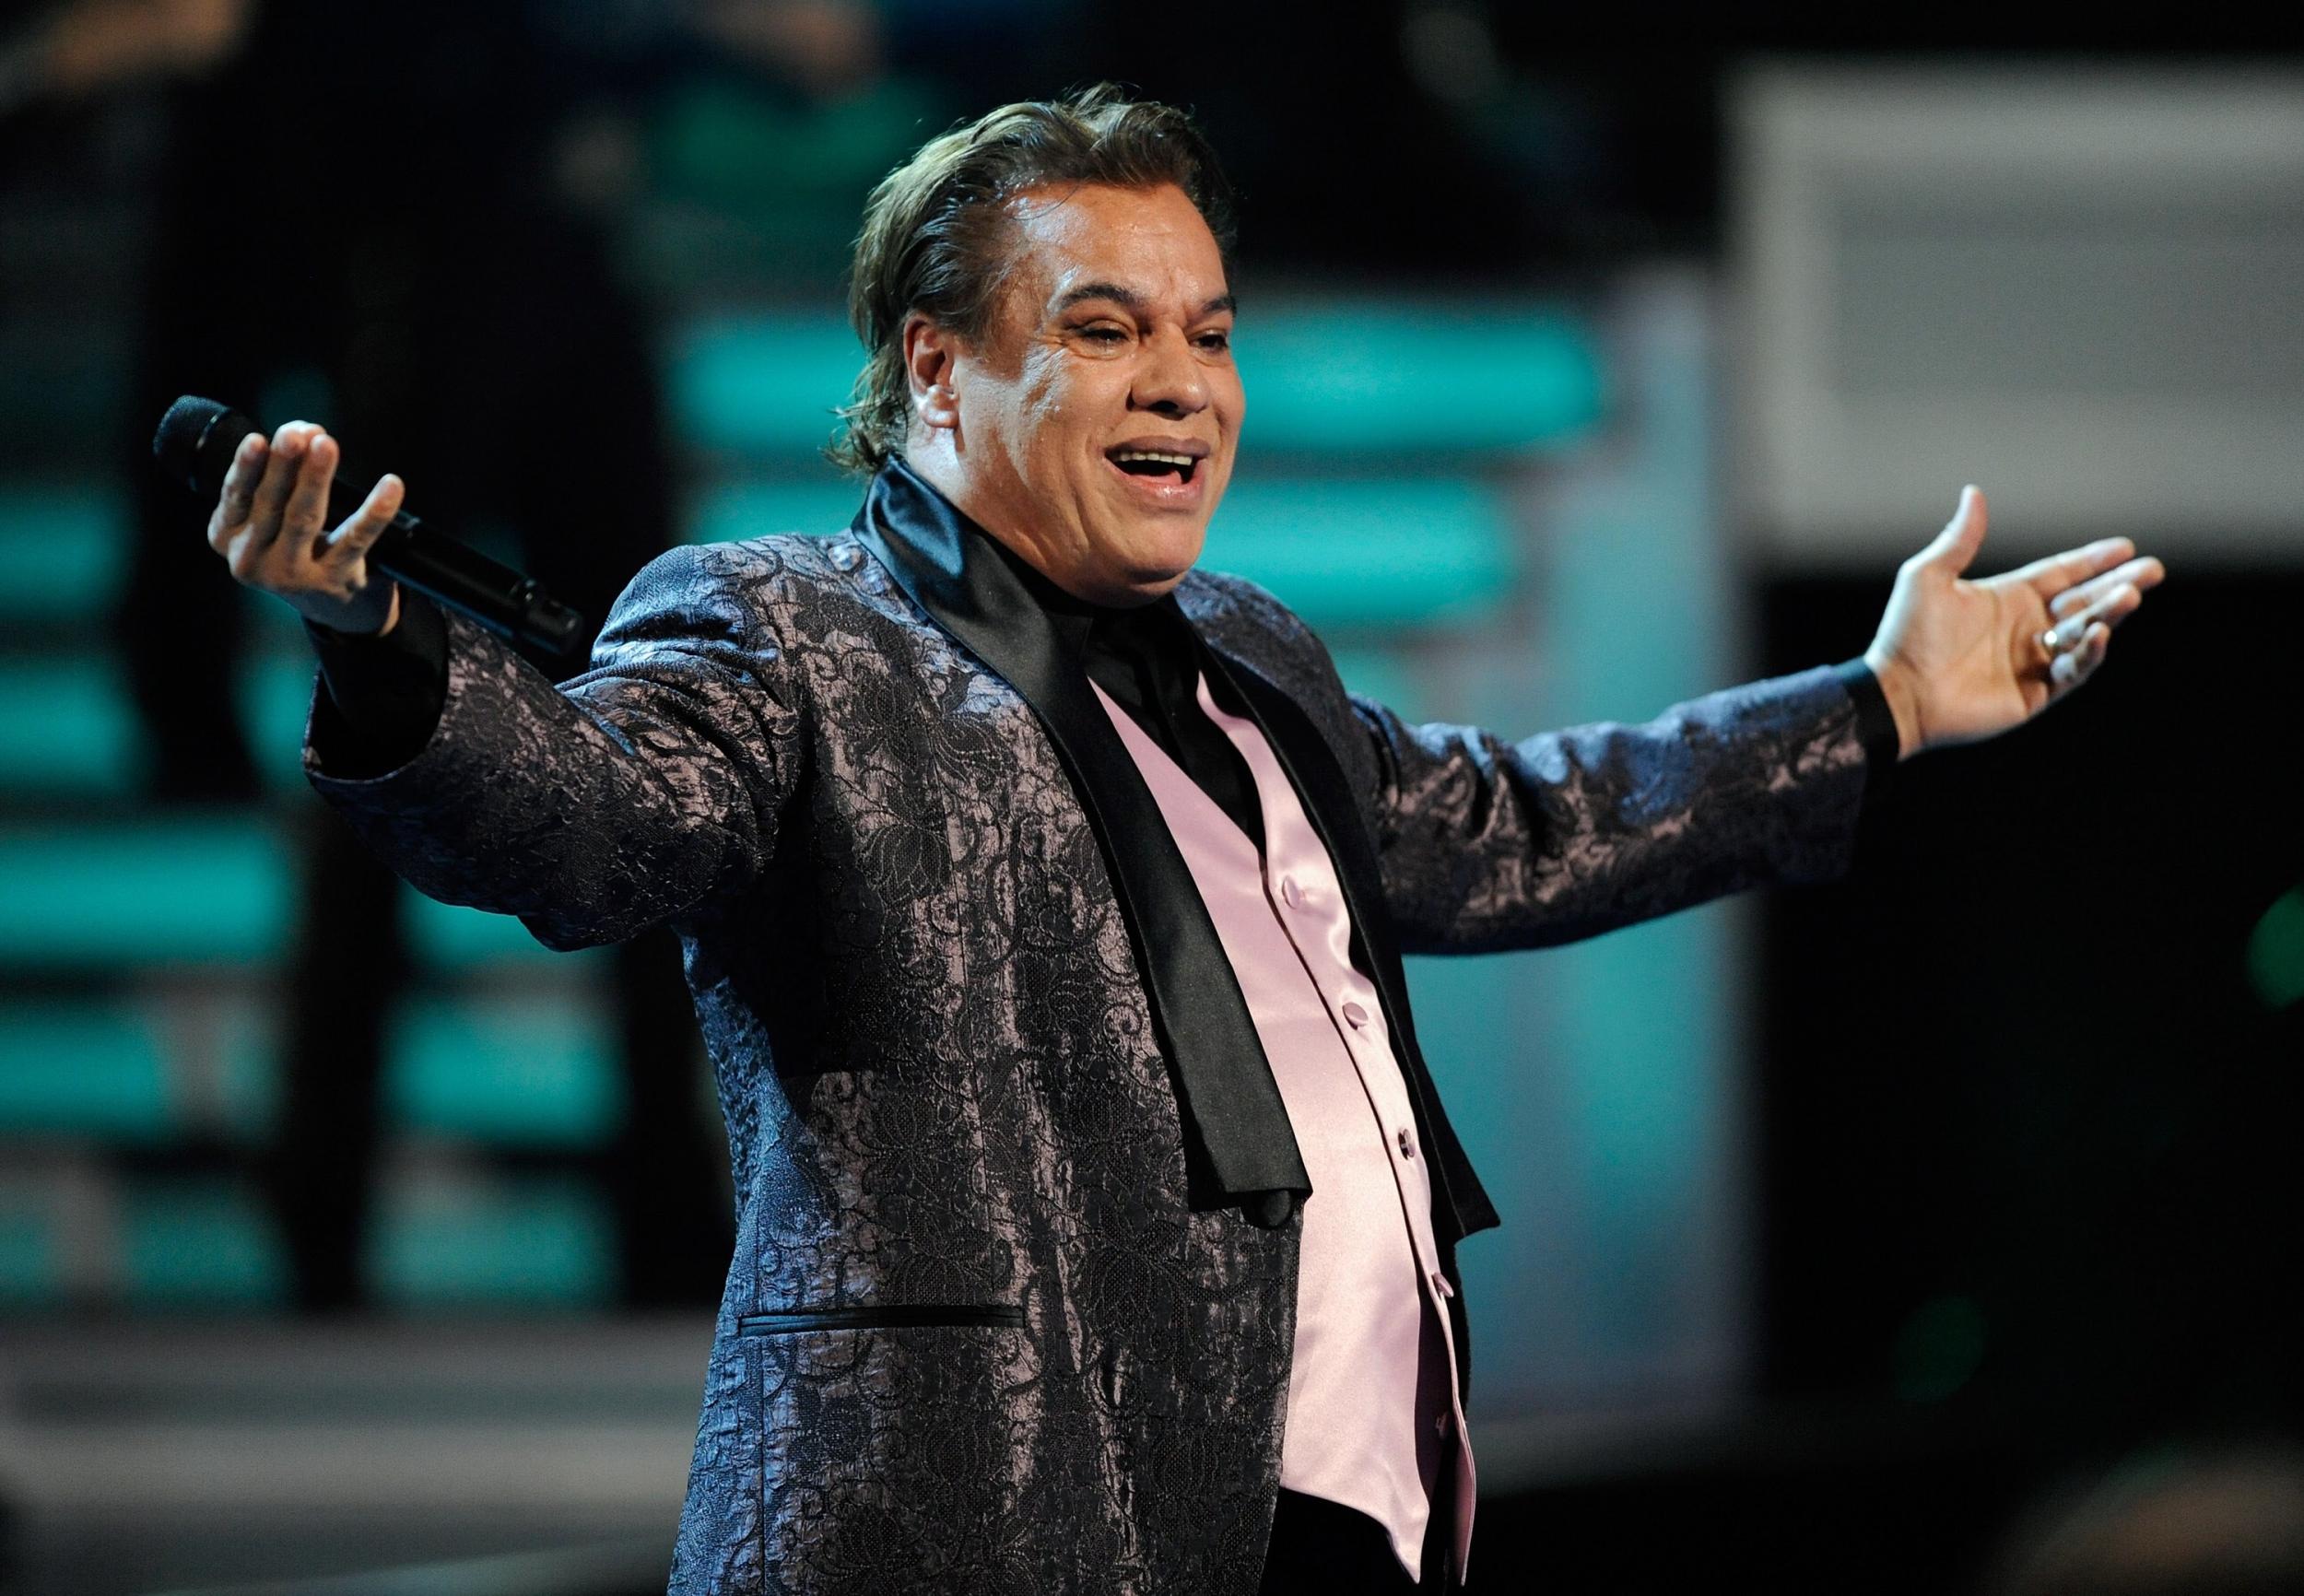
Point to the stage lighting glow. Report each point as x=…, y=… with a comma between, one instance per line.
x=2275, y=952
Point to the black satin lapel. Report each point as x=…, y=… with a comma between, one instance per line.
x=1229, y=1100
x=1327, y=798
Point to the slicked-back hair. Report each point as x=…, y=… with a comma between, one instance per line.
x=937, y=233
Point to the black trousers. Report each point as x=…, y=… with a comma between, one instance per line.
x=1326, y=1547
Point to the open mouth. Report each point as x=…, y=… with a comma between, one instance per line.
x=1155, y=465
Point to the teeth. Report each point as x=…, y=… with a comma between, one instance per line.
x=1184, y=459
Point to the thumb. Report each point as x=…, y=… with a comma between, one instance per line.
x=1955, y=548
x=351, y=540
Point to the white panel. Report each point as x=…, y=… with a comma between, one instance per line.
x=2080, y=288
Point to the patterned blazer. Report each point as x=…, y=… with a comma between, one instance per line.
x=1012, y=1301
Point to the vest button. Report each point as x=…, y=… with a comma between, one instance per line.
x=1291, y=894
x=1355, y=1015
x=1407, y=1144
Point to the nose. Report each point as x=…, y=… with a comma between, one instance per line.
x=1168, y=380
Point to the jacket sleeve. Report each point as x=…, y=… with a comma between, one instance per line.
x=1486, y=844
x=627, y=796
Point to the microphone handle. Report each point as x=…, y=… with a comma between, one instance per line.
x=506, y=601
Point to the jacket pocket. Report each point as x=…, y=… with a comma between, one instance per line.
x=898, y=1316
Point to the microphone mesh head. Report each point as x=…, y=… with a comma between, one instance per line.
x=196, y=441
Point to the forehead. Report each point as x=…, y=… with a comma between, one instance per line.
x=1153, y=241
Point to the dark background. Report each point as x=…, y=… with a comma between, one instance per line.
x=2026, y=1193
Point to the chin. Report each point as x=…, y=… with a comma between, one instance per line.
x=1162, y=562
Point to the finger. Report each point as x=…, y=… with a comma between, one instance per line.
x=1955, y=548
x=2136, y=573
x=280, y=468
x=2110, y=609
x=350, y=542
x=2053, y=575
x=305, y=516
x=240, y=490
x=2078, y=664
x=250, y=554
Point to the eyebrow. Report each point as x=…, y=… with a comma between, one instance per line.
x=1130, y=300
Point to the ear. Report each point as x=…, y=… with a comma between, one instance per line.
x=930, y=354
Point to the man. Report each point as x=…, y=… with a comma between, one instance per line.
x=1044, y=899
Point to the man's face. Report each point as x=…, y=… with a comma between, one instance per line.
x=1097, y=416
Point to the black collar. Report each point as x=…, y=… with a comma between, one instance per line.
x=1158, y=625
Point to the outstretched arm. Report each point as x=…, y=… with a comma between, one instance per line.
x=1489, y=844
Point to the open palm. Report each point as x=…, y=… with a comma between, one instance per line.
x=1961, y=661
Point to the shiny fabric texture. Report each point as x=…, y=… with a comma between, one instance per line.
x=937, y=1053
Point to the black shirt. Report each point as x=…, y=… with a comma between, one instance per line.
x=1147, y=659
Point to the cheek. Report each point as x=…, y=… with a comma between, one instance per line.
x=1231, y=403
x=1043, y=386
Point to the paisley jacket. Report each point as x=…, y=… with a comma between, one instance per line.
x=1012, y=1302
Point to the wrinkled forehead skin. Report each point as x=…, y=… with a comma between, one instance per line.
x=1064, y=241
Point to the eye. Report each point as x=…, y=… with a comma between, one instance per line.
x=1216, y=342
x=1103, y=333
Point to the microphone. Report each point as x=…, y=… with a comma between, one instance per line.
x=196, y=443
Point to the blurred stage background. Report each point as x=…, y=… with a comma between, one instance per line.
x=1592, y=364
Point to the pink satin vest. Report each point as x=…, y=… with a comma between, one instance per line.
x=1373, y=1412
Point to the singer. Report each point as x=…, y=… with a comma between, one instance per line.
x=1044, y=898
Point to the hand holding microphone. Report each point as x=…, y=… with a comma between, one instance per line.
x=271, y=526
x=274, y=499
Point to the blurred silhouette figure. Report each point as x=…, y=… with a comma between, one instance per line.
x=2219, y=1523
x=393, y=215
